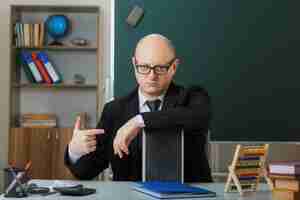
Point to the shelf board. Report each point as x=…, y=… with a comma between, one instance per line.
x=69, y=48
x=55, y=86
x=55, y=9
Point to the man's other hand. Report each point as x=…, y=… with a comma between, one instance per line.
x=83, y=141
x=125, y=135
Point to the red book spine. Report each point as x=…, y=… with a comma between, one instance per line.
x=41, y=68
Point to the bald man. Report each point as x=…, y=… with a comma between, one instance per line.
x=156, y=103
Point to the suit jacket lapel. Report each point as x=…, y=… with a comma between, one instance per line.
x=171, y=97
x=133, y=104
x=132, y=109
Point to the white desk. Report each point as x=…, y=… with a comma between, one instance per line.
x=122, y=191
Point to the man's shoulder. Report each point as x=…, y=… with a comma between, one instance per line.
x=191, y=89
x=197, y=88
x=119, y=102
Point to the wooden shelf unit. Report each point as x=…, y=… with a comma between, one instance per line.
x=45, y=146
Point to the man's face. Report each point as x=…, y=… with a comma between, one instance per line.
x=155, y=82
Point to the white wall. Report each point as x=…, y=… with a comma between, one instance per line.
x=106, y=42
x=4, y=89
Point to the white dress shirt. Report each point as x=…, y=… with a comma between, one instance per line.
x=143, y=106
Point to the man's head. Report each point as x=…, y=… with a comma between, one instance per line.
x=157, y=52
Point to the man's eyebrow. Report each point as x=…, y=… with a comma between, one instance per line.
x=167, y=63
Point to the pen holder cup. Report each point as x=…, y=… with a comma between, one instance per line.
x=8, y=176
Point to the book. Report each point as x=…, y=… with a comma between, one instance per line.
x=30, y=35
x=36, y=35
x=26, y=35
x=38, y=120
x=22, y=39
x=284, y=176
x=17, y=35
x=25, y=68
x=38, y=116
x=167, y=190
x=53, y=73
x=41, y=34
x=287, y=184
x=282, y=194
x=44, y=125
x=40, y=66
x=285, y=167
x=26, y=58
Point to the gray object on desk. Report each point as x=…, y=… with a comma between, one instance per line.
x=163, y=155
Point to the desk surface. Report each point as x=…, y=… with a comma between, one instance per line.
x=122, y=191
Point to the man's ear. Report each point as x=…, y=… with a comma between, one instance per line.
x=175, y=65
x=133, y=60
x=177, y=61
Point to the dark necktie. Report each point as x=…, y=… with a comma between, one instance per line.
x=153, y=105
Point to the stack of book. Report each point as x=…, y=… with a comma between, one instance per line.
x=38, y=120
x=29, y=35
x=286, y=178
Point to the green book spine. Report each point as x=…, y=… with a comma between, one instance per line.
x=28, y=74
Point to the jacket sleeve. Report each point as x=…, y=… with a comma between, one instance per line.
x=192, y=112
x=90, y=165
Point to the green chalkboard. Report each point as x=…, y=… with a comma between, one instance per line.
x=245, y=53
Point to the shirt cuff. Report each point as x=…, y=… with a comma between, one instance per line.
x=73, y=157
x=140, y=121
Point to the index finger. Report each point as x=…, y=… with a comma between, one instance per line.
x=91, y=132
x=77, y=123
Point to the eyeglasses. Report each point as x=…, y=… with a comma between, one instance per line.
x=158, y=69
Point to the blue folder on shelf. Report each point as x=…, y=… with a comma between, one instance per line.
x=168, y=190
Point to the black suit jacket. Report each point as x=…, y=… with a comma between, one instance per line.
x=185, y=108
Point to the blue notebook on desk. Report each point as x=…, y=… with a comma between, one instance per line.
x=168, y=190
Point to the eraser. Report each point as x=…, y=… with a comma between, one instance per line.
x=135, y=15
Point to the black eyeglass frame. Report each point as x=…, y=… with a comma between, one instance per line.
x=157, y=69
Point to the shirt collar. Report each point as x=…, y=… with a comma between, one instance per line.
x=143, y=99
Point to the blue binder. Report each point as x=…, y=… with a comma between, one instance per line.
x=53, y=73
x=26, y=58
x=168, y=190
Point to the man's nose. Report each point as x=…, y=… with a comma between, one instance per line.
x=152, y=74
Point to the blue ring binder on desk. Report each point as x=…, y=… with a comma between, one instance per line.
x=168, y=190
x=163, y=166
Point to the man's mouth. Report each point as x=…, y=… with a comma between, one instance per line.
x=152, y=84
